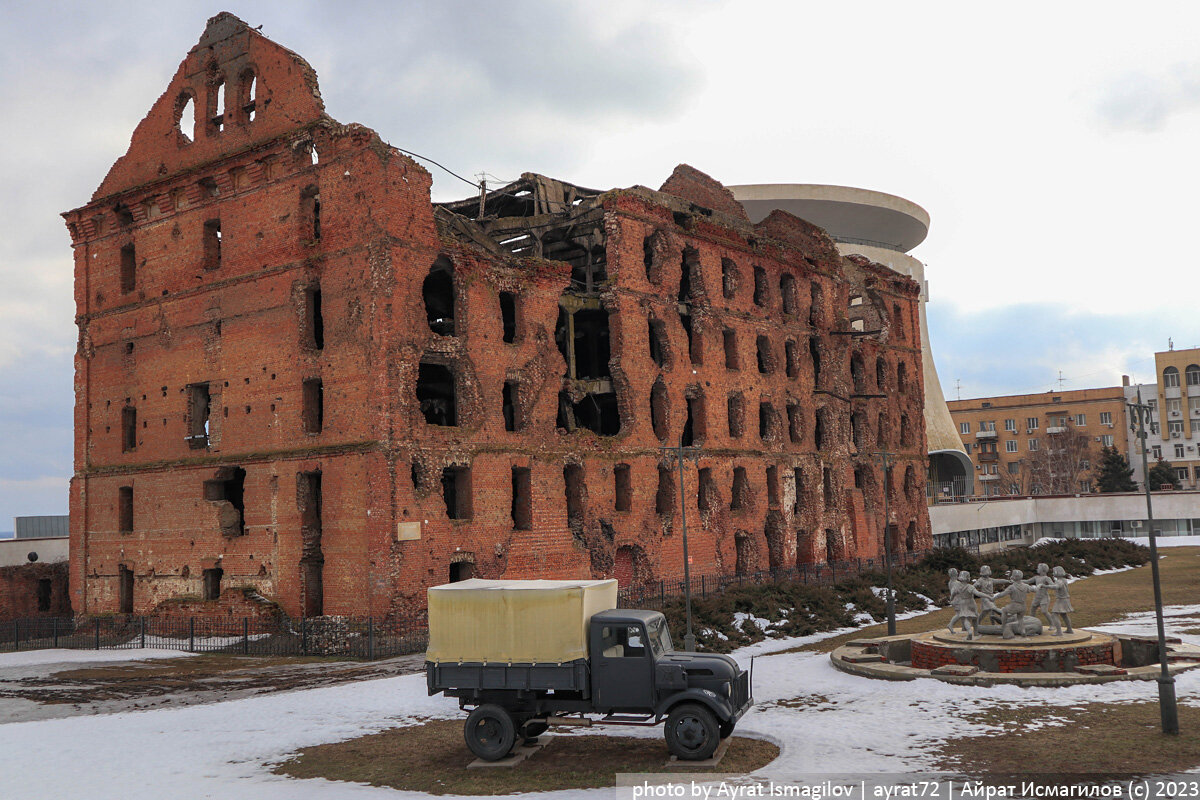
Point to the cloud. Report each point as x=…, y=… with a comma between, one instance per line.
x=1142, y=102
x=1020, y=349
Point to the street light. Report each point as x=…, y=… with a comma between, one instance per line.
x=1140, y=413
x=680, y=452
x=885, y=457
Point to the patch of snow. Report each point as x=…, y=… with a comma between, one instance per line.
x=740, y=618
x=27, y=658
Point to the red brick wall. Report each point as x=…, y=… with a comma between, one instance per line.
x=241, y=329
x=928, y=655
x=19, y=587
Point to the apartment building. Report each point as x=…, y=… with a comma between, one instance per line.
x=1174, y=400
x=1043, y=443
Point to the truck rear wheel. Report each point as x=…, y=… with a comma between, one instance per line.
x=692, y=732
x=490, y=732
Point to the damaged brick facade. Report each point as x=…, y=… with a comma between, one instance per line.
x=297, y=376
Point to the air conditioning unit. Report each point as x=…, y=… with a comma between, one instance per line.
x=1176, y=435
x=1174, y=413
x=1108, y=424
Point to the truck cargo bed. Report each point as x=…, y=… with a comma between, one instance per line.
x=569, y=677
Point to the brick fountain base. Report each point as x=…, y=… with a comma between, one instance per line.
x=1043, y=660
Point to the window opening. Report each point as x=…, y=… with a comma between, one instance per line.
x=508, y=316
x=438, y=292
x=772, y=486
x=436, y=394
x=310, y=213
x=312, y=557
x=522, y=499
x=456, y=492
x=728, y=278
x=575, y=490
x=736, y=410
x=787, y=289
x=228, y=490
x=314, y=319
x=128, y=269
x=124, y=590
x=657, y=339
x=814, y=352
x=798, y=477
x=198, y=415
x=664, y=498
x=622, y=487
x=212, y=583
x=816, y=309
x=766, y=364
x=731, y=355
x=185, y=117
x=510, y=405
x=125, y=509
x=313, y=413
x=212, y=244
x=760, y=287
x=658, y=409
x=792, y=358
x=795, y=423
x=705, y=497
x=739, y=495
x=128, y=429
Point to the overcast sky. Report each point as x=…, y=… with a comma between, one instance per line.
x=1053, y=145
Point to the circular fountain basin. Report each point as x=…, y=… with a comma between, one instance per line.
x=1043, y=660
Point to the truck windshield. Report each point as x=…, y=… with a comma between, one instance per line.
x=660, y=636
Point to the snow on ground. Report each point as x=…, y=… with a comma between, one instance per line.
x=1176, y=619
x=1167, y=541
x=25, y=658
x=824, y=720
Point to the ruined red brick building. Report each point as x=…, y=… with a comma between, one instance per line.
x=296, y=374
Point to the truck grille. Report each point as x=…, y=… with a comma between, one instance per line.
x=741, y=690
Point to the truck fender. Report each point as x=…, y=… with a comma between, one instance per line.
x=717, y=704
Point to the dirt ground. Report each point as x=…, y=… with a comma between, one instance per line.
x=69, y=689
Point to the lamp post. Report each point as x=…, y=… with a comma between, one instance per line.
x=1140, y=414
x=680, y=452
x=885, y=458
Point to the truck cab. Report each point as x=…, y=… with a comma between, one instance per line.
x=636, y=669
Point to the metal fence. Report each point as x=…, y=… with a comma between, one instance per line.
x=657, y=593
x=356, y=637
x=350, y=637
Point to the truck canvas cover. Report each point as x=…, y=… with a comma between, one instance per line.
x=514, y=622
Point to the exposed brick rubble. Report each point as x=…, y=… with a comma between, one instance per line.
x=297, y=375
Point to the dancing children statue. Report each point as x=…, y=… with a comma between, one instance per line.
x=1062, y=602
x=1013, y=619
x=963, y=601
x=1041, y=595
x=952, y=588
x=986, y=584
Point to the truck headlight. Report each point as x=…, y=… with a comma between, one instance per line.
x=727, y=689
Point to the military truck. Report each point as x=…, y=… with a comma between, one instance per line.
x=524, y=655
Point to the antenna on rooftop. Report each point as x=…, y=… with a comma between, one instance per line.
x=482, y=192
x=1060, y=380
x=958, y=388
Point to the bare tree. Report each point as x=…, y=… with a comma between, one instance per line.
x=1061, y=462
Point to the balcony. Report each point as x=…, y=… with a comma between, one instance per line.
x=986, y=457
x=1053, y=429
x=989, y=477
x=985, y=435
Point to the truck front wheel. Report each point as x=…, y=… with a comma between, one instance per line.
x=692, y=732
x=490, y=732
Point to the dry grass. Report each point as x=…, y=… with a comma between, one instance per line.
x=1098, y=739
x=432, y=758
x=1100, y=598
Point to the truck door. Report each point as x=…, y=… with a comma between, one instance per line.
x=624, y=675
